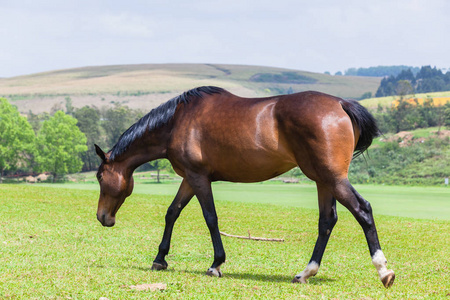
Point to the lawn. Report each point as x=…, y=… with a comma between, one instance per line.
x=404, y=201
x=52, y=247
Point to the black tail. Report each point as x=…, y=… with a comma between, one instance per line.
x=365, y=121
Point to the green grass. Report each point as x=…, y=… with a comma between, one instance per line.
x=52, y=247
x=429, y=132
x=426, y=132
x=403, y=201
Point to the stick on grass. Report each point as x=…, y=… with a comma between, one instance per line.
x=252, y=237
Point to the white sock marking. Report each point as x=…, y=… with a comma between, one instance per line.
x=380, y=262
x=311, y=269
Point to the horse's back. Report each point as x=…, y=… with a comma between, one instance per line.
x=252, y=139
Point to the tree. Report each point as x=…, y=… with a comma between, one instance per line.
x=158, y=165
x=89, y=123
x=69, y=106
x=16, y=138
x=116, y=120
x=36, y=120
x=427, y=80
x=404, y=88
x=60, y=145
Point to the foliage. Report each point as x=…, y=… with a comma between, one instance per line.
x=366, y=95
x=36, y=120
x=116, y=120
x=425, y=162
x=380, y=71
x=65, y=253
x=89, y=123
x=404, y=115
x=69, y=106
x=427, y=80
x=158, y=165
x=60, y=144
x=97, y=126
x=16, y=138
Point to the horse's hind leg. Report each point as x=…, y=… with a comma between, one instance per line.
x=362, y=211
x=182, y=198
x=327, y=220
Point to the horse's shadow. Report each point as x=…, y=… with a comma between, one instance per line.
x=268, y=277
x=319, y=280
x=255, y=277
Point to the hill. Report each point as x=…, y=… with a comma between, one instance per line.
x=147, y=85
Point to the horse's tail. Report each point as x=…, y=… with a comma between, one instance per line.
x=366, y=123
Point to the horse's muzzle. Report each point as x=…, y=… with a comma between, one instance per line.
x=107, y=221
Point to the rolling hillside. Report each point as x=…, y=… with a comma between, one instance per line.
x=146, y=86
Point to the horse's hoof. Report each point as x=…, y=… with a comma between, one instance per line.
x=388, y=279
x=214, y=272
x=157, y=266
x=299, y=279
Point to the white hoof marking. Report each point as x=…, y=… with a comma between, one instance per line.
x=380, y=263
x=311, y=269
x=214, y=272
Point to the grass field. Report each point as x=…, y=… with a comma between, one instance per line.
x=52, y=247
x=441, y=98
x=147, y=85
x=403, y=201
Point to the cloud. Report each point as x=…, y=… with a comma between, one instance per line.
x=322, y=35
x=126, y=25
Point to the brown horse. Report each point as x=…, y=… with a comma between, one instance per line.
x=209, y=134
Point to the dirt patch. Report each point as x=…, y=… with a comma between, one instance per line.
x=442, y=134
x=406, y=138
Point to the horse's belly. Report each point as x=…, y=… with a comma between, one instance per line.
x=250, y=170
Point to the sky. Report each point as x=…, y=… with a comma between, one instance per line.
x=314, y=35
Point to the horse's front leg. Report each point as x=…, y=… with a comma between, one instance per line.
x=327, y=220
x=202, y=189
x=182, y=198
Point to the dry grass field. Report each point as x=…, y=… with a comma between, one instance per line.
x=439, y=98
x=147, y=85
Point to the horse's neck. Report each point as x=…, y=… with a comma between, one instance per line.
x=151, y=146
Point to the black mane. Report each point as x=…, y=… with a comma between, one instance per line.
x=158, y=117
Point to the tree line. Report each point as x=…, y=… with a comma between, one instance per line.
x=380, y=71
x=409, y=115
x=427, y=80
x=61, y=141
x=54, y=148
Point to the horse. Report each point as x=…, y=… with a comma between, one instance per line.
x=208, y=134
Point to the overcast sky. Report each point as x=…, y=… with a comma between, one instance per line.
x=312, y=35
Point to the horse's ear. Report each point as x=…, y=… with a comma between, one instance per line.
x=100, y=152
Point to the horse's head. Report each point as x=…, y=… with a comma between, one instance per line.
x=115, y=186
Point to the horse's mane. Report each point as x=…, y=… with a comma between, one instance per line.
x=158, y=117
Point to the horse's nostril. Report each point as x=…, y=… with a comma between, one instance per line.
x=101, y=218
